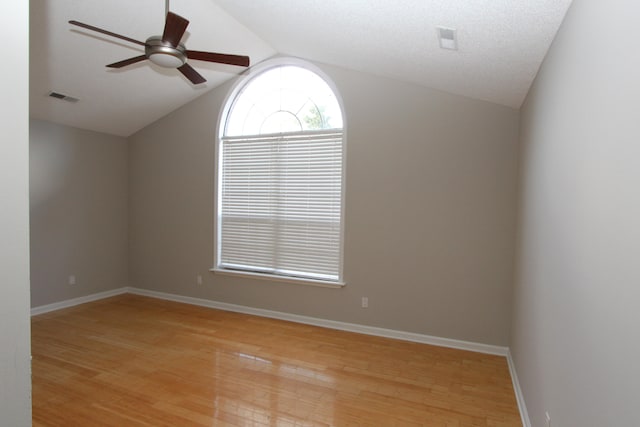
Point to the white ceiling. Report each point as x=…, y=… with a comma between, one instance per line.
x=501, y=45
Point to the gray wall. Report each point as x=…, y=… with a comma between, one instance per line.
x=79, y=196
x=430, y=212
x=576, y=301
x=15, y=379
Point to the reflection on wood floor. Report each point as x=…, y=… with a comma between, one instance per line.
x=138, y=361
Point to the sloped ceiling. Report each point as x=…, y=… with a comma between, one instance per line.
x=501, y=46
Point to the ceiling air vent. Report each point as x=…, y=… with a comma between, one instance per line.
x=63, y=97
x=448, y=38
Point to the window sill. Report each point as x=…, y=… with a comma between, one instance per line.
x=281, y=279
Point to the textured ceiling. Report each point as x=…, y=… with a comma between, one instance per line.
x=501, y=42
x=501, y=45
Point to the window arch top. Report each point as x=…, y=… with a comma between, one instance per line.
x=283, y=99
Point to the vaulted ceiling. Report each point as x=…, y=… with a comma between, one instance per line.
x=501, y=44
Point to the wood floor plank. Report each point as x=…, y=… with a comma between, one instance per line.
x=137, y=361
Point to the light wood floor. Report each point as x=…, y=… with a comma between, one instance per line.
x=137, y=361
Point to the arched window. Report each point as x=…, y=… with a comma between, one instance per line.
x=280, y=177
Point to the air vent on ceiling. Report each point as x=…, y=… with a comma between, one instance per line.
x=448, y=38
x=63, y=97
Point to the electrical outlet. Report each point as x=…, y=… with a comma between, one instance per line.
x=365, y=302
x=72, y=279
x=547, y=419
x=199, y=279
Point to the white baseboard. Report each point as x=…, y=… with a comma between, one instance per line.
x=76, y=301
x=524, y=415
x=332, y=324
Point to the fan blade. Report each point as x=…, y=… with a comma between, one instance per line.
x=174, y=28
x=222, y=58
x=193, y=76
x=109, y=33
x=127, y=61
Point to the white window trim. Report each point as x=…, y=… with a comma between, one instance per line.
x=227, y=103
x=277, y=278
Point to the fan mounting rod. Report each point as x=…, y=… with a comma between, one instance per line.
x=164, y=54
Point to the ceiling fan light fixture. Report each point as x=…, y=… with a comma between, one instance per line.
x=166, y=60
x=163, y=54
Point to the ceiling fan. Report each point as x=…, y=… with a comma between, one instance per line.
x=167, y=51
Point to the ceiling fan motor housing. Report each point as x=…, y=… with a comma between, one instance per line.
x=162, y=53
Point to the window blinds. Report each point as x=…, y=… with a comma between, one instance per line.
x=280, y=204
